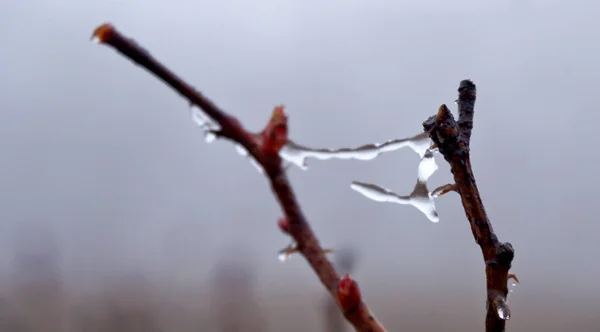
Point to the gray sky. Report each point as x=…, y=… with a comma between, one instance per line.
x=108, y=157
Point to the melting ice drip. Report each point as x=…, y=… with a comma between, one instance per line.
x=502, y=309
x=421, y=198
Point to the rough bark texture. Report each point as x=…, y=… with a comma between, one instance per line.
x=452, y=139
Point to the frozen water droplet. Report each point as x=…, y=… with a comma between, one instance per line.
x=503, y=313
x=283, y=256
x=95, y=39
x=511, y=287
x=297, y=154
x=210, y=137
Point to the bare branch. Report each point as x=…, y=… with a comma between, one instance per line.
x=264, y=147
x=452, y=140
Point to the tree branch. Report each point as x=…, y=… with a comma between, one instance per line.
x=453, y=140
x=264, y=147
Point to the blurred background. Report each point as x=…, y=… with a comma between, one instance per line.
x=115, y=215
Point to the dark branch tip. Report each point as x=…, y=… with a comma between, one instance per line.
x=466, y=84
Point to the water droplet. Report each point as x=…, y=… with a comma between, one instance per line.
x=283, y=256
x=210, y=137
x=503, y=313
x=95, y=39
x=511, y=287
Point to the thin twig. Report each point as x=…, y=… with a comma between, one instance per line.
x=344, y=290
x=443, y=190
x=452, y=140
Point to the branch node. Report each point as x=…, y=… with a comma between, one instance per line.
x=505, y=254
x=284, y=225
x=348, y=294
x=275, y=134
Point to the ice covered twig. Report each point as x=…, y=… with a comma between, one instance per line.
x=297, y=154
x=452, y=140
x=265, y=148
x=420, y=197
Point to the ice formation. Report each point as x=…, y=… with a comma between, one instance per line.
x=421, y=198
x=297, y=154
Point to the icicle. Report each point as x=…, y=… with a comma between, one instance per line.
x=420, y=197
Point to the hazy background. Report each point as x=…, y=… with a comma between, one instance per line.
x=108, y=189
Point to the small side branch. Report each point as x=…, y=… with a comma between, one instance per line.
x=452, y=139
x=264, y=148
x=443, y=190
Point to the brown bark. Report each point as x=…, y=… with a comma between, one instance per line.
x=452, y=138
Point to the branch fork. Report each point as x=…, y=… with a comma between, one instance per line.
x=452, y=138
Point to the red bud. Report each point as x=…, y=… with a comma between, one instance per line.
x=284, y=225
x=348, y=293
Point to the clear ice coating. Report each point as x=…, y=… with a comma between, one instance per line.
x=297, y=154
x=209, y=126
x=513, y=281
x=421, y=198
x=243, y=152
x=205, y=123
